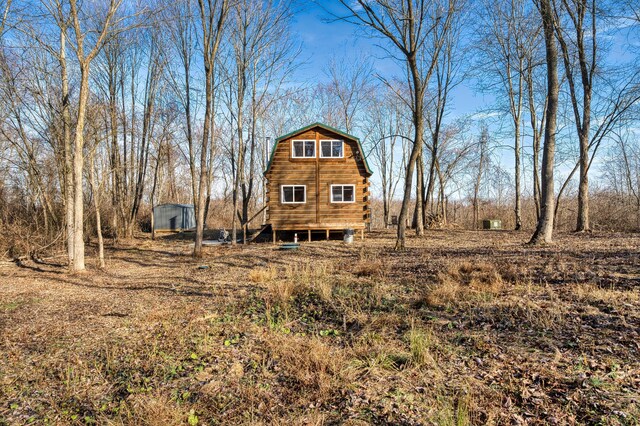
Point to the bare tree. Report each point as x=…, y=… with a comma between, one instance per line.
x=213, y=14
x=507, y=45
x=96, y=192
x=544, y=228
x=182, y=30
x=21, y=107
x=85, y=50
x=578, y=39
x=388, y=139
x=483, y=145
x=155, y=67
x=261, y=51
x=349, y=86
x=537, y=112
x=415, y=29
x=455, y=154
x=5, y=7
x=449, y=73
x=627, y=158
x=582, y=15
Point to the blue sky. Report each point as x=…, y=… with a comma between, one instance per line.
x=324, y=38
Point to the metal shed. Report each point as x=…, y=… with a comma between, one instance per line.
x=173, y=217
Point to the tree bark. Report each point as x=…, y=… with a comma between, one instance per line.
x=67, y=149
x=78, y=164
x=544, y=229
x=518, y=202
x=484, y=140
x=418, y=215
x=96, y=205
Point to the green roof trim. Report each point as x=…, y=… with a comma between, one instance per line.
x=326, y=127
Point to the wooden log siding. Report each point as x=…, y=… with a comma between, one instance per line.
x=318, y=174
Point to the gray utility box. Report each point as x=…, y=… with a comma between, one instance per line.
x=491, y=224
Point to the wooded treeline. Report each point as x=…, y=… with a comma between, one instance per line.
x=111, y=107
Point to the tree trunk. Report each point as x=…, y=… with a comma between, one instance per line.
x=418, y=216
x=583, y=224
x=518, y=206
x=587, y=64
x=536, y=175
x=442, y=196
x=428, y=201
x=96, y=205
x=212, y=20
x=544, y=229
x=202, y=183
x=536, y=130
x=404, y=208
x=68, y=155
x=476, y=187
x=416, y=152
x=152, y=196
x=78, y=164
x=143, y=152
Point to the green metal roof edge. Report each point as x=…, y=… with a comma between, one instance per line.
x=326, y=127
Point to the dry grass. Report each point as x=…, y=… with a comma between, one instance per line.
x=263, y=275
x=294, y=280
x=318, y=369
x=422, y=345
x=371, y=264
x=465, y=282
x=461, y=328
x=590, y=292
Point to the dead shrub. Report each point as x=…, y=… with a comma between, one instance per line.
x=316, y=277
x=454, y=410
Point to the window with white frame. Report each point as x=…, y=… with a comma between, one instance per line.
x=293, y=194
x=343, y=193
x=331, y=149
x=303, y=149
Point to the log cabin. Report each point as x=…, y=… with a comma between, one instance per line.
x=317, y=180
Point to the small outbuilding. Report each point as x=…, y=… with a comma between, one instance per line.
x=173, y=218
x=318, y=180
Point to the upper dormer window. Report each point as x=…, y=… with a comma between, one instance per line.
x=303, y=149
x=331, y=149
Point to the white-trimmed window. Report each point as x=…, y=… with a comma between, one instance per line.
x=303, y=149
x=293, y=194
x=331, y=149
x=343, y=193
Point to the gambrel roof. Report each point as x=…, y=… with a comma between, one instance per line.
x=325, y=127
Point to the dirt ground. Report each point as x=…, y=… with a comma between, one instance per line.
x=461, y=328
